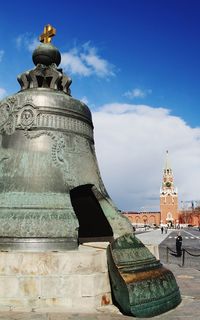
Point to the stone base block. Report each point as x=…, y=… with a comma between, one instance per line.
x=73, y=280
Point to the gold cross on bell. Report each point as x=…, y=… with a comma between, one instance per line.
x=48, y=33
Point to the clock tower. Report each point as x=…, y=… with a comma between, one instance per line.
x=168, y=197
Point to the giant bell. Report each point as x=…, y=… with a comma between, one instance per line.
x=51, y=192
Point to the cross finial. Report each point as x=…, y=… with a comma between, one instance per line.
x=48, y=33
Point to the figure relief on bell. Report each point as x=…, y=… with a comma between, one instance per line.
x=27, y=117
x=10, y=125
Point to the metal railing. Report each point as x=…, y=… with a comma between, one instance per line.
x=184, y=251
x=191, y=254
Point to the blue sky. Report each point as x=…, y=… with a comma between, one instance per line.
x=123, y=55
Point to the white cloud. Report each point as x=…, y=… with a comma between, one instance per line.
x=1, y=54
x=131, y=141
x=72, y=63
x=85, y=62
x=85, y=100
x=137, y=93
x=32, y=44
x=27, y=41
x=3, y=93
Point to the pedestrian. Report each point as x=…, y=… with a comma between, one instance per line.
x=162, y=230
x=165, y=230
x=179, y=245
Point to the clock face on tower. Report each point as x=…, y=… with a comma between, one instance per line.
x=168, y=184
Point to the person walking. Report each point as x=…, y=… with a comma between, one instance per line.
x=179, y=240
x=162, y=229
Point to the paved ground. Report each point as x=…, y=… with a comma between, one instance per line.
x=191, y=239
x=153, y=236
x=191, y=242
x=191, y=249
x=188, y=280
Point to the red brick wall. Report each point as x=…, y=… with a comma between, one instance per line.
x=143, y=218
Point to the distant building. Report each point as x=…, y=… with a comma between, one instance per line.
x=190, y=216
x=169, y=213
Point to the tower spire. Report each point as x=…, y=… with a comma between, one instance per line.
x=167, y=162
x=167, y=173
x=167, y=168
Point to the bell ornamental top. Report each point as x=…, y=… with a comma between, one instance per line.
x=46, y=53
x=46, y=58
x=49, y=32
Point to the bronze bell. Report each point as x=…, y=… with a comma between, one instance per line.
x=51, y=192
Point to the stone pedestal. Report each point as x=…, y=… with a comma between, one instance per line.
x=72, y=281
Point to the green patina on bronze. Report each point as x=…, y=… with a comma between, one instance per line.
x=141, y=286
